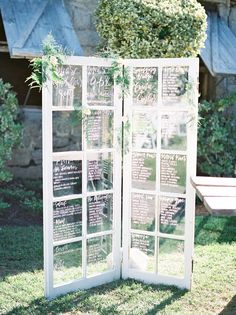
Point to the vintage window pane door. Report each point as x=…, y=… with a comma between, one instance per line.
x=82, y=177
x=82, y=141
x=159, y=201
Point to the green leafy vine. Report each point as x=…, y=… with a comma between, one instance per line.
x=187, y=90
x=119, y=75
x=123, y=135
x=47, y=67
x=126, y=135
x=81, y=114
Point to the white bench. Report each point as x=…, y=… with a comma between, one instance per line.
x=218, y=194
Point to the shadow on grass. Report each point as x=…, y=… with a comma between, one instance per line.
x=114, y=298
x=230, y=308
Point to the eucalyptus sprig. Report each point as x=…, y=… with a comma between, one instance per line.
x=83, y=116
x=119, y=75
x=47, y=67
x=123, y=135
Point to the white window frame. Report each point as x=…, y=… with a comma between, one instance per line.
x=52, y=291
x=191, y=153
x=48, y=158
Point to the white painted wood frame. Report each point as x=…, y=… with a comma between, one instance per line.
x=49, y=156
x=189, y=195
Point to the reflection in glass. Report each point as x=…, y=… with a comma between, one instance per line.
x=142, y=252
x=67, y=131
x=145, y=86
x=174, y=84
x=67, y=262
x=171, y=257
x=144, y=130
x=173, y=173
x=67, y=177
x=99, y=129
x=99, y=255
x=144, y=171
x=69, y=92
x=143, y=212
x=174, y=131
x=172, y=215
x=67, y=219
x=99, y=87
x=99, y=213
x=100, y=171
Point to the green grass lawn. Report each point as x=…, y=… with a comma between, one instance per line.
x=214, y=287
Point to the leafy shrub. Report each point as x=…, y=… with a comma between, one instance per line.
x=34, y=205
x=10, y=129
x=151, y=28
x=217, y=138
x=3, y=206
x=25, y=196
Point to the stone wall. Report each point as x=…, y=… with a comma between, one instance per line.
x=27, y=158
x=82, y=15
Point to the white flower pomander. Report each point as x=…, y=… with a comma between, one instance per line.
x=53, y=60
x=125, y=119
x=87, y=111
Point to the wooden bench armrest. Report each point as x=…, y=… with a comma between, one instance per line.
x=213, y=181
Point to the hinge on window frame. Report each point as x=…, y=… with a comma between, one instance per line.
x=121, y=255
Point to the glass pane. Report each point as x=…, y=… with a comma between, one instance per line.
x=145, y=90
x=67, y=262
x=67, y=131
x=144, y=130
x=99, y=213
x=172, y=215
x=99, y=87
x=142, y=252
x=67, y=177
x=171, y=257
x=174, y=131
x=67, y=219
x=144, y=171
x=174, y=84
x=100, y=171
x=99, y=255
x=143, y=212
x=173, y=173
x=99, y=129
x=69, y=92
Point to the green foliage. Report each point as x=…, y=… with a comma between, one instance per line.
x=25, y=197
x=10, y=129
x=33, y=205
x=217, y=137
x=3, y=206
x=126, y=126
x=119, y=75
x=151, y=28
x=213, y=230
x=47, y=67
